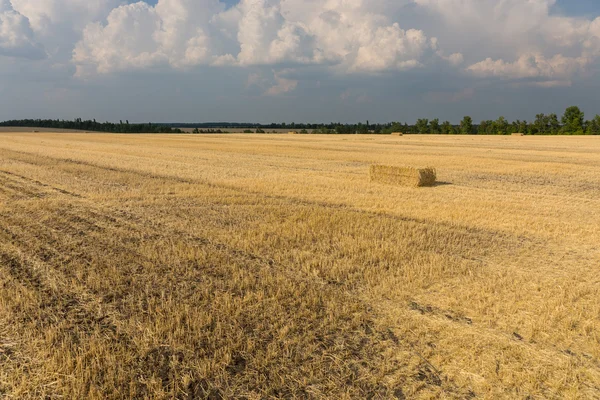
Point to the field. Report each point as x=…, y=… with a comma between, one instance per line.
x=269, y=266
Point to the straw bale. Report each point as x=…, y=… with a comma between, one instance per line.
x=405, y=176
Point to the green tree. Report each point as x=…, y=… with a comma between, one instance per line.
x=521, y=126
x=483, y=127
x=362, y=129
x=501, y=126
x=422, y=125
x=447, y=128
x=542, y=124
x=518, y=126
x=573, y=120
x=434, y=126
x=593, y=126
x=490, y=128
x=393, y=127
x=466, y=126
x=554, y=124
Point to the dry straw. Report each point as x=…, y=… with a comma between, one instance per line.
x=405, y=176
x=397, y=134
x=518, y=134
x=292, y=133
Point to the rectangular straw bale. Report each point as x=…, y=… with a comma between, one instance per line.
x=397, y=134
x=405, y=176
x=518, y=134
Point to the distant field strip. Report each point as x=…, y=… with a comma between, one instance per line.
x=252, y=266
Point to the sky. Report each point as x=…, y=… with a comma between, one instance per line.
x=297, y=60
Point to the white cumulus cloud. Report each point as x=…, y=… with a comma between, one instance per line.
x=185, y=33
x=522, y=39
x=45, y=15
x=127, y=40
x=531, y=66
x=16, y=36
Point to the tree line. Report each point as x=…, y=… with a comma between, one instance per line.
x=572, y=122
x=92, y=125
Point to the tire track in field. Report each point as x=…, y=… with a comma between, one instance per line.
x=76, y=318
x=24, y=179
x=15, y=189
x=59, y=302
x=75, y=311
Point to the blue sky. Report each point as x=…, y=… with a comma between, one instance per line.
x=298, y=60
x=579, y=7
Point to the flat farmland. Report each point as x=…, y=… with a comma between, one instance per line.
x=269, y=266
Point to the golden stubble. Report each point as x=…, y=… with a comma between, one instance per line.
x=269, y=266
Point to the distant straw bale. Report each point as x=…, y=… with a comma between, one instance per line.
x=397, y=134
x=405, y=176
x=292, y=133
x=518, y=134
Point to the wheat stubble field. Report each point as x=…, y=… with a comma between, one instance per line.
x=268, y=266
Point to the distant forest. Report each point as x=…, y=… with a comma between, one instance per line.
x=92, y=125
x=572, y=122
